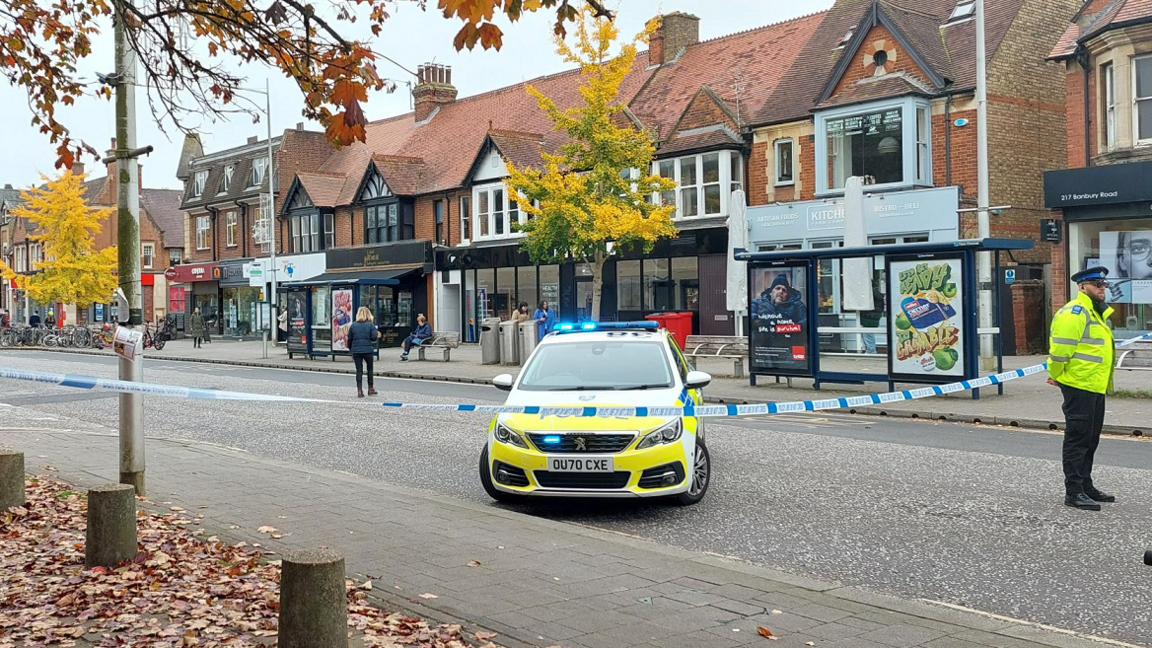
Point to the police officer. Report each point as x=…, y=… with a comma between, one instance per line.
x=1080, y=359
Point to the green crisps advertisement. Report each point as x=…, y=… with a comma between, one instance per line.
x=927, y=316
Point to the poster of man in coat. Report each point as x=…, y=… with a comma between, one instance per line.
x=779, y=320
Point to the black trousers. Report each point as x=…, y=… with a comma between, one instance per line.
x=1084, y=419
x=362, y=359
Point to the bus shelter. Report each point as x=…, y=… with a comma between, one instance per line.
x=929, y=296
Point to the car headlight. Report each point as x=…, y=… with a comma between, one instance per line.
x=666, y=434
x=505, y=434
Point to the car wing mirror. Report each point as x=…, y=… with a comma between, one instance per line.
x=503, y=382
x=697, y=380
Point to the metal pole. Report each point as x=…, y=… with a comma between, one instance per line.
x=128, y=238
x=983, y=258
x=274, y=325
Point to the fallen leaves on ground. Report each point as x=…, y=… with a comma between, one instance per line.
x=179, y=591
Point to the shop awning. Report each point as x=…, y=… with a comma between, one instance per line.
x=377, y=277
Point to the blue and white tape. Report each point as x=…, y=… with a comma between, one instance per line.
x=702, y=411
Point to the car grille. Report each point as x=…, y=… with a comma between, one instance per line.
x=593, y=443
x=618, y=479
x=654, y=477
x=509, y=475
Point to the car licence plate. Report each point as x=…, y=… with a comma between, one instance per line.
x=581, y=464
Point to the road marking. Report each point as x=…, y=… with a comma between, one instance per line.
x=1042, y=626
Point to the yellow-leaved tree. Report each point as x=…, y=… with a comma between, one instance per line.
x=72, y=271
x=593, y=198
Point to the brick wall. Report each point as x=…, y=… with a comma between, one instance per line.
x=349, y=224
x=758, y=174
x=676, y=30
x=1060, y=279
x=704, y=111
x=300, y=150
x=902, y=61
x=807, y=157
x=1031, y=330
x=962, y=161
x=1074, y=108
x=196, y=255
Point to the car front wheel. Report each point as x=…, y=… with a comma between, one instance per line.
x=486, y=481
x=701, y=476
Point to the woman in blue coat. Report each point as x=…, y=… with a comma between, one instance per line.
x=362, y=343
x=546, y=319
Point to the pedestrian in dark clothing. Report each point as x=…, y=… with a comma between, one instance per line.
x=34, y=320
x=416, y=338
x=362, y=343
x=196, y=327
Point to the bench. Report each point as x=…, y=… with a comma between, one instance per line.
x=444, y=340
x=1138, y=355
x=732, y=347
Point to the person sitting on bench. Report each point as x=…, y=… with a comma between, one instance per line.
x=416, y=338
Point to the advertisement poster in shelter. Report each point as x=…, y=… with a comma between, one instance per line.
x=779, y=334
x=297, y=305
x=341, y=318
x=926, y=312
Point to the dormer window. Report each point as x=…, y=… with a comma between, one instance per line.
x=964, y=9
x=847, y=37
x=198, y=182
x=259, y=167
x=226, y=181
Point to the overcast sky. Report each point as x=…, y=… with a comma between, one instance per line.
x=411, y=37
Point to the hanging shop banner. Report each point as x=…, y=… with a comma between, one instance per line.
x=779, y=333
x=341, y=318
x=926, y=319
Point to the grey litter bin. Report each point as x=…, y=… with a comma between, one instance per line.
x=509, y=345
x=490, y=340
x=529, y=334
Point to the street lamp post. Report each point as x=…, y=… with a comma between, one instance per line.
x=983, y=258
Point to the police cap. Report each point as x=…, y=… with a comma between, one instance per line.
x=1096, y=272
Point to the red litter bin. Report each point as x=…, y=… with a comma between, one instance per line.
x=678, y=324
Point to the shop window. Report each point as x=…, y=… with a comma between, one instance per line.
x=685, y=284
x=550, y=285
x=526, y=290
x=465, y=219
x=148, y=254
x=505, y=293
x=657, y=285
x=438, y=217
x=1125, y=247
x=1108, y=79
x=203, y=233
x=230, y=228
x=889, y=142
x=1142, y=117
x=485, y=292
x=628, y=287
x=783, y=157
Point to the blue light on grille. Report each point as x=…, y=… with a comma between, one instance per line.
x=552, y=439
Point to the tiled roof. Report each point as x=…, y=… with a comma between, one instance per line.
x=323, y=188
x=241, y=159
x=94, y=190
x=701, y=138
x=756, y=60
x=9, y=196
x=891, y=85
x=401, y=174
x=163, y=205
x=1115, y=15
x=521, y=149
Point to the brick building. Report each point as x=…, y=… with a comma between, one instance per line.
x=885, y=88
x=1102, y=200
x=160, y=225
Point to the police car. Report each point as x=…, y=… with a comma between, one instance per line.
x=614, y=364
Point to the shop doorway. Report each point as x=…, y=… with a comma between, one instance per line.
x=715, y=318
x=583, y=298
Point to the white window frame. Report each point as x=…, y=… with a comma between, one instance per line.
x=923, y=145
x=964, y=10
x=259, y=171
x=329, y=230
x=1139, y=102
x=230, y=229
x=1108, y=78
x=736, y=172
x=908, y=106
x=727, y=179
x=226, y=181
x=147, y=254
x=198, y=182
x=175, y=256
x=203, y=233
x=465, y=219
x=508, y=213
x=776, y=157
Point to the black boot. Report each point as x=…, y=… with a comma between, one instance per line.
x=1082, y=502
x=359, y=392
x=371, y=390
x=1098, y=495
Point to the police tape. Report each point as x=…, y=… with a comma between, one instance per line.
x=699, y=411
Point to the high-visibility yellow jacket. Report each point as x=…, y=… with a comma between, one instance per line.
x=1081, y=350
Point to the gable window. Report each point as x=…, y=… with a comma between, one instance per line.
x=705, y=182
x=203, y=233
x=889, y=142
x=496, y=214
x=438, y=216
x=1142, y=98
x=226, y=181
x=465, y=219
x=783, y=156
x=148, y=255
x=198, y=182
x=230, y=229
x=1108, y=77
x=259, y=167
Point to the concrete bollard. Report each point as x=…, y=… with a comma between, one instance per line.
x=11, y=479
x=111, y=533
x=313, y=600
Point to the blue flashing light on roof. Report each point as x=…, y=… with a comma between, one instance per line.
x=588, y=326
x=569, y=327
x=564, y=327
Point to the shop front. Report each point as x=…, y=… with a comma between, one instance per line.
x=684, y=274
x=190, y=286
x=289, y=268
x=1107, y=221
x=244, y=317
x=890, y=218
x=391, y=280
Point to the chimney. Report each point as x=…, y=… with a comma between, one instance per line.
x=433, y=89
x=299, y=126
x=77, y=168
x=677, y=30
x=8, y=186
x=252, y=139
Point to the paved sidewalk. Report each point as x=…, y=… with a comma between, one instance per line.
x=1027, y=402
x=536, y=582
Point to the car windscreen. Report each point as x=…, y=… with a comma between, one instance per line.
x=598, y=365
